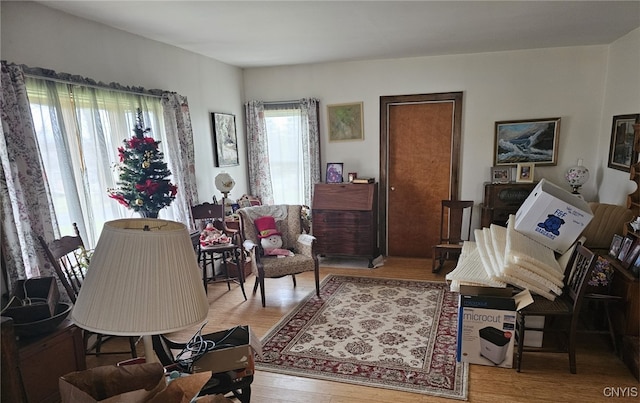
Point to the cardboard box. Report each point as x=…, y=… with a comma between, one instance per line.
x=487, y=324
x=234, y=349
x=552, y=216
x=532, y=338
x=33, y=299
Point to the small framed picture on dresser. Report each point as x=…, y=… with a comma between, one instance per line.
x=500, y=174
x=627, y=243
x=632, y=255
x=616, y=243
x=524, y=172
x=334, y=172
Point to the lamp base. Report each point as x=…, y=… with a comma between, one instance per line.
x=149, y=354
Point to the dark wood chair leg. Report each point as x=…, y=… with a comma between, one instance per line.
x=612, y=332
x=521, y=321
x=571, y=348
x=240, y=268
x=293, y=276
x=132, y=345
x=262, y=296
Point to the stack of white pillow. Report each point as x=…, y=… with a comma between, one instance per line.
x=503, y=256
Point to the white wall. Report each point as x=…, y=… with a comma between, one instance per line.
x=584, y=86
x=564, y=82
x=38, y=36
x=622, y=97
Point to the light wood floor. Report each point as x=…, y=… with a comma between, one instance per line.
x=544, y=377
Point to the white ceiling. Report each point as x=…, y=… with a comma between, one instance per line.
x=272, y=33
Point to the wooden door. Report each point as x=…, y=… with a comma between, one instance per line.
x=419, y=155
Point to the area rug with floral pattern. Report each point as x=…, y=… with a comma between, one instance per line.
x=394, y=334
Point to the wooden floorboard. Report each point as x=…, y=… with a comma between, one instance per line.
x=544, y=378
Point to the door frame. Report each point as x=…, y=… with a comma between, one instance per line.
x=456, y=137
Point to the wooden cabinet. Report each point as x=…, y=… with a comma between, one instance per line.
x=39, y=361
x=626, y=317
x=345, y=219
x=501, y=200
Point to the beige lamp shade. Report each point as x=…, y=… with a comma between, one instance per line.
x=143, y=279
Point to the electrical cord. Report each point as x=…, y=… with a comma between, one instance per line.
x=195, y=348
x=198, y=346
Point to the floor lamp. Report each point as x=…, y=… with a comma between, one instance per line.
x=143, y=280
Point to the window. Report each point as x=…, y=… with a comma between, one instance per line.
x=79, y=130
x=283, y=149
x=285, y=154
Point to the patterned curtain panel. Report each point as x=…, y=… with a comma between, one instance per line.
x=177, y=121
x=24, y=194
x=258, y=151
x=311, y=142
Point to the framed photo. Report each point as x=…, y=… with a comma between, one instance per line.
x=352, y=176
x=345, y=122
x=627, y=242
x=225, y=139
x=500, y=174
x=334, y=172
x=242, y=203
x=621, y=154
x=635, y=267
x=632, y=255
x=524, y=173
x=616, y=243
x=526, y=141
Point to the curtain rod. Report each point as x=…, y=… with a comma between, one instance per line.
x=297, y=101
x=66, y=78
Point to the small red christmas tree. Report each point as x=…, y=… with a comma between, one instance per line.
x=144, y=186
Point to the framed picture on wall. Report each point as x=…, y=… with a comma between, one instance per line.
x=621, y=155
x=334, y=172
x=345, y=122
x=225, y=139
x=527, y=141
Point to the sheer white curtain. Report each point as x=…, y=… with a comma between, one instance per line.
x=79, y=130
x=284, y=151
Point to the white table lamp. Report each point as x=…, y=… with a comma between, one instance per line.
x=143, y=279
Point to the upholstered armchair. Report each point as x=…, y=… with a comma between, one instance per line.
x=289, y=224
x=608, y=219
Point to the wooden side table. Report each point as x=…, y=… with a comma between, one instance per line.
x=40, y=360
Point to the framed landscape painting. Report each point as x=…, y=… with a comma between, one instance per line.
x=621, y=155
x=532, y=141
x=345, y=122
x=225, y=139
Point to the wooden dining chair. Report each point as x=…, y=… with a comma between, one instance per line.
x=562, y=314
x=451, y=232
x=203, y=214
x=70, y=261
